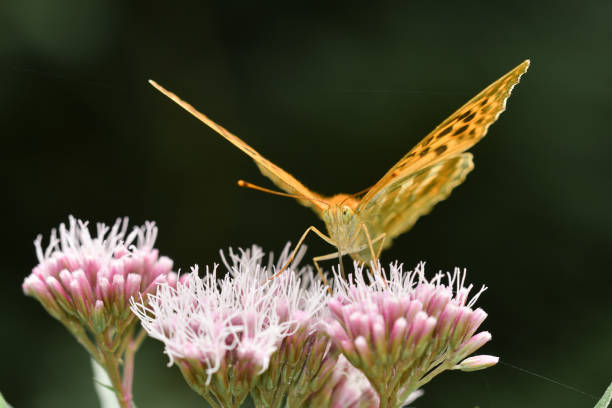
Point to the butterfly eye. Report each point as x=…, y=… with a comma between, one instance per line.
x=347, y=214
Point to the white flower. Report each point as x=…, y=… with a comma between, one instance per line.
x=231, y=326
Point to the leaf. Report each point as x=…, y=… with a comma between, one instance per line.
x=3, y=403
x=106, y=393
x=604, y=402
x=101, y=384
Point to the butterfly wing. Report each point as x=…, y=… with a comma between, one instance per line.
x=407, y=199
x=459, y=132
x=280, y=177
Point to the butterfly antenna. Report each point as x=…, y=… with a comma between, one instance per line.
x=357, y=194
x=362, y=192
x=246, y=184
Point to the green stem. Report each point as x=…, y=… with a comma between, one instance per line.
x=140, y=338
x=111, y=366
x=382, y=384
x=279, y=397
x=213, y=403
x=432, y=374
x=81, y=336
x=111, y=361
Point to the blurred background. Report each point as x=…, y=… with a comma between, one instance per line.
x=335, y=94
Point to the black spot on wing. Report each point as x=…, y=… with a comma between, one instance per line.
x=424, y=152
x=441, y=149
x=460, y=130
x=464, y=115
x=470, y=117
x=445, y=131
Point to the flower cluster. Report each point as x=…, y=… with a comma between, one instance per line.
x=403, y=331
x=242, y=333
x=86, y=283
x=281, y=339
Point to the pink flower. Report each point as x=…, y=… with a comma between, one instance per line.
x=89, y=281
x=405, y=330
x=477, y=363
x=86, y=283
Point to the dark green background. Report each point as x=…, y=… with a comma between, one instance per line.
x=335, y=94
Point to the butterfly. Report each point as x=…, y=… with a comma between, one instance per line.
x=363, y=224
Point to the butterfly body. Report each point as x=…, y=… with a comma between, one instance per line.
x=363, y=225
x=393, y=210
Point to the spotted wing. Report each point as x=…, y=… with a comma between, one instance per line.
x=280, y=177
x=459, y=132
x=409, y=198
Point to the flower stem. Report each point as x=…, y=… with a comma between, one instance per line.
x=81, y=336
x=128, y=366
x=432, y=374
x=388, y=399
x=128, y=361
x=111, y=363
x=111, y=366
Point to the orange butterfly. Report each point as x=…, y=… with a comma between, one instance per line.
x=426, y=175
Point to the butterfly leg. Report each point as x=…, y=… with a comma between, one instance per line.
x=316, y=231
x=325, y=258
x=382, y=243
x=375, y=258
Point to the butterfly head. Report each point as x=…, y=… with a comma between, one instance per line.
x=340, y=220
x=340, y=210
x=346, y=214
x=337, y=215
